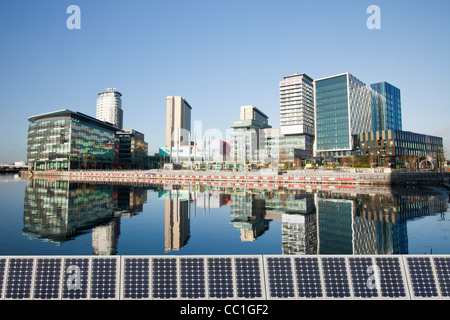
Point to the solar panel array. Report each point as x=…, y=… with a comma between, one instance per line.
x=277, y=277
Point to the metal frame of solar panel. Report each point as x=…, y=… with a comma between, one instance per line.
x=192, y=277
x=362, y=277
x=59, y=277
x=428, y=276
x=334, y=277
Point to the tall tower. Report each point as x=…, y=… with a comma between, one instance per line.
x=178, y=121
x=109, y=107
x=387, y=109
x=297, y=104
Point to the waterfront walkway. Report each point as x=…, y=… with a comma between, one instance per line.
x=294, y=178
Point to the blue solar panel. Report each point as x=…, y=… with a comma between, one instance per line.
x=220, y=278
x=76, y=278
x=136, y=281
x=364, y=277
x=248, y=278
x=391, y=279
x=422, y=277
x=309, y=284
x=47, y=278
x=164, y=284
x=280, y=277
x=442, y=265
x=20, y=275
x=335, y=277
x=2, y=275
x=192, y=278
x=104, y=278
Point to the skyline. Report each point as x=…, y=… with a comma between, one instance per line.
x=218, y=56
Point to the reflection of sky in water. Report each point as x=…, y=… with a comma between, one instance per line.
x=131, y=220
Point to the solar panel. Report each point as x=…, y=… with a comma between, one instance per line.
x=422, y=277
x=192, y=278
x=280, y=278
x=391, y=277
x=364, y=276
x=164, y=284
x=104, y=278
x=248, y=277
x=76, y=278
x=309, y=284
x=136, y=278
x=442, y=265
x=335, y=277
x=2, y=275
x=47, y=278
x=220, y=278
x=20, y=276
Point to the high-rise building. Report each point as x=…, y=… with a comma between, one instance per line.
x=387, y=111
x=297, y=104
x=178, y=122
x=109, y=107
x=343, y=108
x=248, y=136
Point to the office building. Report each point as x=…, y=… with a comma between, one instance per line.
x=397, y=147
x=133, y=150
x=248, y=136
x=343, y=108
x=387, y=110
x=66, y=140
x=109, y=107
x=178, y=122
x=297, y=105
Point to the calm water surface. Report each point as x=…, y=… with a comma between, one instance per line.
x=44, y=217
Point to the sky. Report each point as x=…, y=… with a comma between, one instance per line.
x=218, y=55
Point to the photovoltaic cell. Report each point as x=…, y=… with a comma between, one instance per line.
x=20, y=276
x=192, y=278
x=364, y=277
x=309, y=283
x=220, y=278
x=422, y=277
x=442, y=266
x=2, y=275
x=391, y=279
x=248, y=278
x=47, y=278
x=335, y=277
x=136, y=282
x=76, y=278
x=164, y=284
x=104, y=278
x=280, y=277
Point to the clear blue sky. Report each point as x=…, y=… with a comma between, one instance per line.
x=219, y=55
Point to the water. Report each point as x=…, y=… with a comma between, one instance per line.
x=47, y=217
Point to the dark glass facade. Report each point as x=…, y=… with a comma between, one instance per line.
x=386, y=107
x=67, y=140
x=133, y=150
x=396, y=143
x=332, y=114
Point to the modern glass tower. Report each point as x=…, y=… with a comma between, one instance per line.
x=343, y=107
x=387, y=108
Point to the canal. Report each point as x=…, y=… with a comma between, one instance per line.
x=58, y=217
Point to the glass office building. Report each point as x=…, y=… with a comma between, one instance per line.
x=387, y=111
x=343, y=107
x=395, y=144
x=66, y=140
x=133, y=150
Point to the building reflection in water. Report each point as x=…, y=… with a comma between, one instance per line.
x=319, y=222
x=59, y=211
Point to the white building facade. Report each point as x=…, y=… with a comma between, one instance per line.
x=109, y=107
